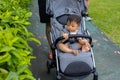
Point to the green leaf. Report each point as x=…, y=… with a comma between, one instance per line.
x=1, y=78
x=29, y=14
x=13, y=40
x=22, y=69
x=6, y=49
x=15, y=17
x=25, y=30
x=19, y=46
x=27, y=23
x=7, y=14
x=34, y=39
x=23, y=42
x=22, y=53
x=12, y=76
x=32, y=57
x=16, y=54
x=3, y=71
x=4, y=58
x=27, y=77
x=28, y=71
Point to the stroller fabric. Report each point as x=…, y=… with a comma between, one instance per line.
x=68, y=58
x=59, y=7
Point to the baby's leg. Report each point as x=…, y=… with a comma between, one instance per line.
x=79, y=46
x=82, y=47
x=86, y=47
x=66, y=49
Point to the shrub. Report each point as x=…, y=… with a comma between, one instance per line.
x=15, y=52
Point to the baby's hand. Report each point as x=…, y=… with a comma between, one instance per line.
x=75, y=52
x=81, y=41
x=65, y=35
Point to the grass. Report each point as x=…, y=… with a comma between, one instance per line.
x=106, y=15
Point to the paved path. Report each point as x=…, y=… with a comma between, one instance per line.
x=107, y=53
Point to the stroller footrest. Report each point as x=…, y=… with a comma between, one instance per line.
x=77, y=68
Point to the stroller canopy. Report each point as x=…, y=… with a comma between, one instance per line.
x=60, y=7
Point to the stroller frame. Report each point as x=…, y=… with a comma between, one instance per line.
x=51, y=63
x=55, y=61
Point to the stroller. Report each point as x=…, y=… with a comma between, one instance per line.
x=69, y=66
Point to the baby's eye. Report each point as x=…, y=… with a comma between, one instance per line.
x=68, y=25
x=72, y=26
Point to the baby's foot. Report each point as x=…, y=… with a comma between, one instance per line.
x=85, y=49
x=80, y=40
x=75, y=52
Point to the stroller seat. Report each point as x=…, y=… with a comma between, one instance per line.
x=79, y=65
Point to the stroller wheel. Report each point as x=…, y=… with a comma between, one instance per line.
x=95, y=76
x=58, y=78
x=48, y=67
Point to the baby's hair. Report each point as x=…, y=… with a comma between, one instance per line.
x=73, y=17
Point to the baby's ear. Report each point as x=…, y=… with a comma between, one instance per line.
x=78, y=25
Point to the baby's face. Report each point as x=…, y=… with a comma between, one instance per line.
x=72, y=26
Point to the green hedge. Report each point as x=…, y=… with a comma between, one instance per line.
x=15, y=52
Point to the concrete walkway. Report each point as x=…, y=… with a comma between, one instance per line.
x=107, y=53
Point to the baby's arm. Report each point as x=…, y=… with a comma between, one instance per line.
x=65, y=35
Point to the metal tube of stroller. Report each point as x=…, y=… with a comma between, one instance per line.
x=92, y=53
x=51, y=37
x=55, y=51
x=91, y=48
x=51, y=34
x=84, y=27
x=93, y=58
x=57, y=60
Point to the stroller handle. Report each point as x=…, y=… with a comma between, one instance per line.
x=71, y=36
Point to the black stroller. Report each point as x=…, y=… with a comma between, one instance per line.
x=67, y=65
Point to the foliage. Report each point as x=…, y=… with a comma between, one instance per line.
x=15, y=52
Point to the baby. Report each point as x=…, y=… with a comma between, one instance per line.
x=73, y=23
